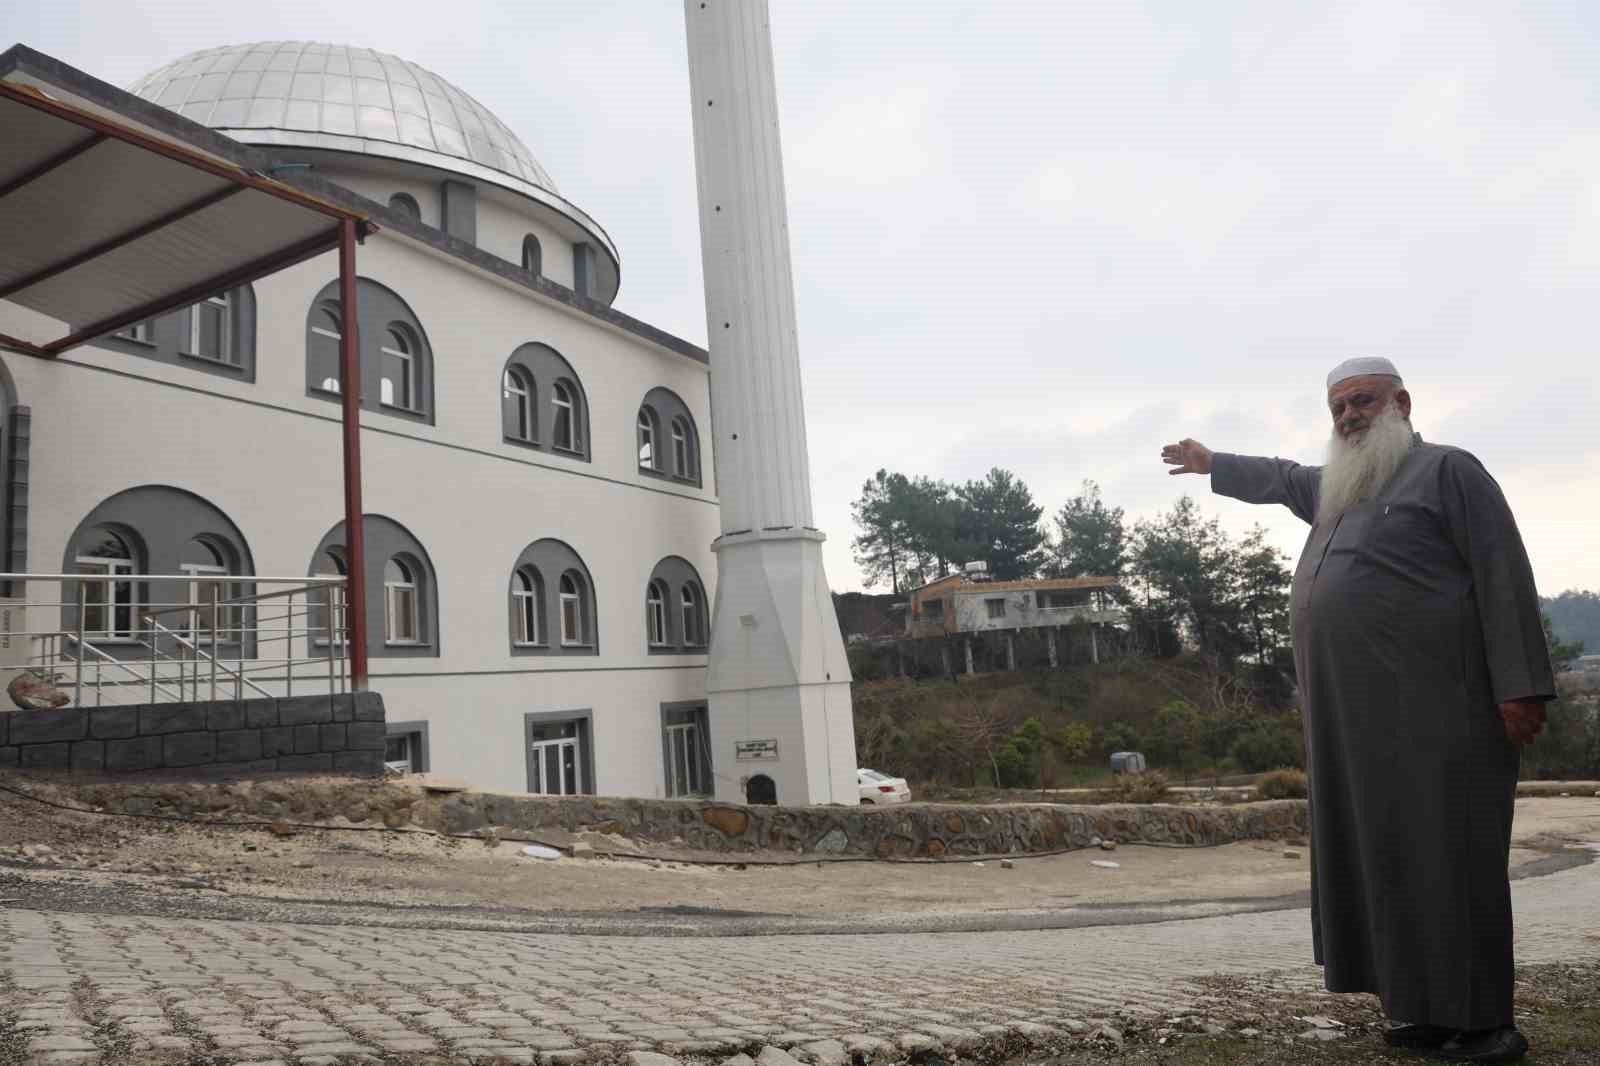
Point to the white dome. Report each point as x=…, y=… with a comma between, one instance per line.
x=356, y=98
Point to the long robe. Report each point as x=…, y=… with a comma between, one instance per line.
x=1414, y=614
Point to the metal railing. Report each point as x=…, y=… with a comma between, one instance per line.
x=103, y=639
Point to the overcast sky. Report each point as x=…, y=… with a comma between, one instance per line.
x=1052, y=237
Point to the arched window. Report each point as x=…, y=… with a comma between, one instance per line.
x=324, y=354
x=399, y=367
x=680, y=450
x=679, y=627
x=111, y=601
x=655, y=614
x=527, y=607
x=399, y=603
x=540, y=390
x=394, y=351
x=675, y=455
x=552, y=602
x=202, y=559
x=694, y=625
x=517, y=405
x=647, y=439
x=329, y=625
x=406, y=204
x=573, y=630
x=532, y=255
x=400, y=588
x=566, y=434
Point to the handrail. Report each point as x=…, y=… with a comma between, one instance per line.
x=81, y=646
x=178, y=638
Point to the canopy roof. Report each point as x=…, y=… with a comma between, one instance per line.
x=108, y=222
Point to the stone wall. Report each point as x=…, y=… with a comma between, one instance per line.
x=917, y=830
x=301, y=734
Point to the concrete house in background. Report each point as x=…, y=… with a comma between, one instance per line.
x=539, y=490
x=966, y=605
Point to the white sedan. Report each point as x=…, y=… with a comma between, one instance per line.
x=881, y=788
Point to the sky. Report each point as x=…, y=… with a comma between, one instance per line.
x=1053, y=237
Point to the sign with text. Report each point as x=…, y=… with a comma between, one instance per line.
x=755, y=750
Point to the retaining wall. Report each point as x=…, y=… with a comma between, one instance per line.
x=301, y=734
x=918, y=830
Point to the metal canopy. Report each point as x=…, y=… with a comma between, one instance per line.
x=106, y=225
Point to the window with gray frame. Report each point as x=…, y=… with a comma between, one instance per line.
x=406, y=204
x=996, y=606
x=395, y=356
x=560, y=756
x=552, y=602
x=532, y=255
x=686, y=749
x=215, y=336
x=667, y=442
x=401, y=596
x=157, y=529
x=542, y=402
x=675, y=609
x=405, y=748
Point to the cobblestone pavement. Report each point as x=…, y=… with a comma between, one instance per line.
x=75, y=987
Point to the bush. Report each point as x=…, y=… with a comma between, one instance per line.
x=1283, y=784
x=1148, y=787
x=1268, y=744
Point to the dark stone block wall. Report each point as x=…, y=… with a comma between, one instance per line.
x=300, y=734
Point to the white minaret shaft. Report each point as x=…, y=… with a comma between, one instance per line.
x=777, y=665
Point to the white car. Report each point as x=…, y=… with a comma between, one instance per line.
x=879, y=788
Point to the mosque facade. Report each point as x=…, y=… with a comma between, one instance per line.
x=539, y=477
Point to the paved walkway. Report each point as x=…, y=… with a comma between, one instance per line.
x=74, y=986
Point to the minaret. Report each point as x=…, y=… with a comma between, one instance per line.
x=778, y=680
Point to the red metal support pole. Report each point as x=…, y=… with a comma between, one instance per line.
x=350, y=402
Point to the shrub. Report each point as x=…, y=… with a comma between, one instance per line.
x=1282, y=784
x=1268, y=744
x=1148, y=787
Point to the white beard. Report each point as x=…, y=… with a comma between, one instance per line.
x=1358, y=470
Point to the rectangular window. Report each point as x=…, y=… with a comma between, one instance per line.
x=395, y=388
x=996, y=607
x=687, y=748
x=210, y=329
x=401, y=615
x=933, y=610
x=139, y=331
x=204, y=596
x=402, y=753
x=556, y=758
x=571, y=619
x=109, y=606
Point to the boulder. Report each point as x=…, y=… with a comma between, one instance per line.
x=35, y=690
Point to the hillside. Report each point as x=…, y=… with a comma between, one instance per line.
x=1575, y=616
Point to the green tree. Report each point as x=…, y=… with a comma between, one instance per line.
x=1001, y=523
x=933, y=529
x=880, y=514
x=1189, y=571
x=1575, y=615
x=1178, y=735
x=1091, y=538
x=1263, y=595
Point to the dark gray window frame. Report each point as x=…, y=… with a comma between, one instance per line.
x=377, y=306
x=703, y=719
x=404, y=201
x=170, y=333
x=549, y=558
x=157, y=522
x=585, y=717
x=673, y=572
x=386, y=538
x=533, y=264
x=530, y=385
x=420, y=730
x=665, y=408
x=542, y=367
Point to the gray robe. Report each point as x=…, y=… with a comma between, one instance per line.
x=1414, y=614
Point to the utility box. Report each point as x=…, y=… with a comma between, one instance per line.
x=1127, y=762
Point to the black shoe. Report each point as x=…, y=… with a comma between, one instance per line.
x=1505, y=1044
x=1423, y=1037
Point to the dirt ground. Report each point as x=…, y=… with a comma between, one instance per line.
x=420, y=870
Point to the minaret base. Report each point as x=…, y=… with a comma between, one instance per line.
x=778, y=682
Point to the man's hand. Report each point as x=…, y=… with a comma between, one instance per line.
x=1188, y=456
x=1523, y=719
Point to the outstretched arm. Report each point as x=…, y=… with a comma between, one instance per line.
x=1248, y=478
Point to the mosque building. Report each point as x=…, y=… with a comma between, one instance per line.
x=538, y=470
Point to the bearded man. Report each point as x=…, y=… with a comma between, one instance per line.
x=1422, y=669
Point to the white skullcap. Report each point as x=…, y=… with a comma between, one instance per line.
x=1360, y=367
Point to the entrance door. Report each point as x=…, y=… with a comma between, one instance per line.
x=557, y=768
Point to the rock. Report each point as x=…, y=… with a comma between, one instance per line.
x=38, y=851
x=826, y=1053
x=650, y=1058
x=1108, y=845
x=911, y=1043
x=775, y=1056
x=1109, y=1033
x=1007, y=864
x=729, y=821
x=832, y=842
x=740, y=1059
x=35, y=690
x=1290, y=853
x=1250, y=1033
x=1319, y=1034
x=1323, y=1022
x=1094, y=842
x=582, y=850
